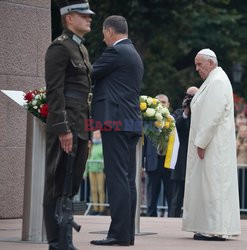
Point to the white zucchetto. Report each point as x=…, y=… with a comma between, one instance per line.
x=207, y=52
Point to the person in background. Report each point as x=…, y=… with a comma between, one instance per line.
x=242, y=145
x=182, y=118
x=240, y=120
x=68, y=85
x=95, y=170
x=153, y=164
x=211, y=198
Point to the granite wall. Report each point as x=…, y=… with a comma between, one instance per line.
x=25, y=35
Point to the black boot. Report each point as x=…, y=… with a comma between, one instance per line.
x=51, y=226
x=69, y=239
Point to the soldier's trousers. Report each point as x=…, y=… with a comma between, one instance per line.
x=56, y=167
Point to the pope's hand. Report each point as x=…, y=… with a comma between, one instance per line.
x=201, y=153
x=66, y=141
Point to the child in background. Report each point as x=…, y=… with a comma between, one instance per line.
x=94, y=168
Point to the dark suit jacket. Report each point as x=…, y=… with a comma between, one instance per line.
x=117, y=76
x=183, y=128
x=150, y=156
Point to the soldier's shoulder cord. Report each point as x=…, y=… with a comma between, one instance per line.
x=66, y=41
x=61, y=39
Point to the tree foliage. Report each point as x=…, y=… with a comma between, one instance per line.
x=169, y=33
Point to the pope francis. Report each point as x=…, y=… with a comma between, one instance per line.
x=211, y=200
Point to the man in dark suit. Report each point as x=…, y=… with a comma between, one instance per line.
x=182, y=118
x=154, y=168
x=117, y=75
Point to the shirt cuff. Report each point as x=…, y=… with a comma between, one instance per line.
x=185, y=116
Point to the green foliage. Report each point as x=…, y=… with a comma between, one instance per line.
x=169, y=33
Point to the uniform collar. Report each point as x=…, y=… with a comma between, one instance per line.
x=73, y=36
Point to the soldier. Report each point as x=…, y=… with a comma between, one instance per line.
x=67, y=75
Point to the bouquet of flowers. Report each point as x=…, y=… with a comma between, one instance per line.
x=36, y=103
x=157, y=121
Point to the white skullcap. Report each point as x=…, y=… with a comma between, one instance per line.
x=207, y=52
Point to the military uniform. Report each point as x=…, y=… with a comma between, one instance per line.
x=67, y=74
x=68, y=85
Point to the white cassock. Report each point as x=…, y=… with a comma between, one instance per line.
x=211, y=199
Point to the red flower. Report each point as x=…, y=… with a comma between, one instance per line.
x=29, y=96
x=44, y=110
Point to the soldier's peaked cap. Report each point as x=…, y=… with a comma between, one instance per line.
x=80, y=6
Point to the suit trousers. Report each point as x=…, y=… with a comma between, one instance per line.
x=177, y=198
x=154, y=186
x=119, y=150
x=55, y=171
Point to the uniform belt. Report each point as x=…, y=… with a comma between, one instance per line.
x=75, y=94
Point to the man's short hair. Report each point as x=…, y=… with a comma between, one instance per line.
x=117, y=23
x=63, y=21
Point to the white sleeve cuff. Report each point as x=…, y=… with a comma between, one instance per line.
x=185, y=116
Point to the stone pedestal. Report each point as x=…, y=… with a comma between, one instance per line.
x=33, y=226
x=25, y=35
x=138, y=188
x=138, y=184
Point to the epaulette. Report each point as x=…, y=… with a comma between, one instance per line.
x=61, y=38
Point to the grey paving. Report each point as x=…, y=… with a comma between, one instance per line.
x=168, y=235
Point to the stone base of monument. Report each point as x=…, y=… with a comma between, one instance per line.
x=33, y=225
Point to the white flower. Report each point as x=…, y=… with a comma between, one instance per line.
x=144, y=97
x=164, y=111
x=150, y=112
x=35, y=107
x=150, y=100
x=34, y=102
x=159, y=108
x=159, y=116
x=37, y=97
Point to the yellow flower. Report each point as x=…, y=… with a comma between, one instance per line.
x=167, y=124
x=170, y=118
x=158, y=124
x=155, y=101
x=143, y=106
